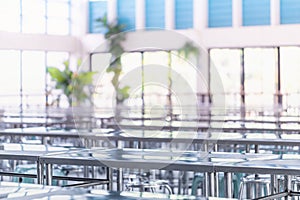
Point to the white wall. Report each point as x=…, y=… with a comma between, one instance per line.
x=258, y=36
x=41, y=42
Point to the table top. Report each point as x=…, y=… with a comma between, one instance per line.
x=161, y=136
x=51, y=132
x=13, y=151
x=180, y=160
x=15, y=191
x=30, y=120
x=206, y=126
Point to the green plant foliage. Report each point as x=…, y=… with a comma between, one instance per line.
x=123, y=93
x=72, y=84
x=188, y=49
x=116, y=35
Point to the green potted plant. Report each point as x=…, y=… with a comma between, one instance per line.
x=115, y=35
x=72, y=83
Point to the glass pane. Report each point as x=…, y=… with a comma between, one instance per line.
x=104, y=90
x=10, y=78
x=33, y=77
x=58, y=9
x=33, y=25
x=54, y=59
x=33, y=8
x=289, y=11
x=155, y=14
x=11, y=7
x=58, y=26
x=132, y=76
x=184, y=84
x=227, y=63
x=184, y=14
x=10, y=23
x=219, y=13
x=156, y=82
x=126, y=13
x=10, y=15
x=290, y=64
x=260, y=66
x=256, y=12
x=97, y=10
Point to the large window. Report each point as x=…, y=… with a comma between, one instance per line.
x=257, y=76
x=184, y=84
x=156, y=87
x=290, y=64
x=132, y=77
x=58, y=17
x=10, y=15
x=126, y=13
x=219, y=13
x=104, y=90
x=289, y=12
x=155, y=13
x=225, y=68
x=260, y=77
x=10, y=83
x=55, y=59
x=256, y=12
x=35, y=16
x=157, y=80
x=97, y=10
x=184, y=14
x=24, y=81
x=33, y=78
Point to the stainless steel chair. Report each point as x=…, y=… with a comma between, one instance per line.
x=255, y=185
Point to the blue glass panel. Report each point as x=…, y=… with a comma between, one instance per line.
x=126, y=13
x=155, y=14
x=220, y=13
x=97, y=9
x=183, y=14
x=256, y=12
x=289, y=11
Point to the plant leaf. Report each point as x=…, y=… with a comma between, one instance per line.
x=56, y=74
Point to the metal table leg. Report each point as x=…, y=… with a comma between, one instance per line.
x=206, y=185
x=212, y=184
x=216, y=181
x=287, y=184
x=49, y=173
x=120, y=179
x=40, y=174
x=228, y=184
x=273, y=184
x=109, y=177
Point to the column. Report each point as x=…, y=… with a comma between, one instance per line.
x=237, y=13
x=112, y=10
x=200, y=14
x=275, y=12
x=140, y=14
x=79, y=16
x=170, y=14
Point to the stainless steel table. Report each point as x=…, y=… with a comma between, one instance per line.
x=29, y=122
x=14, y=191
x=27, y=153
x=45, y=133
x=206, y=140
x=24, y=155
x=209, y=163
